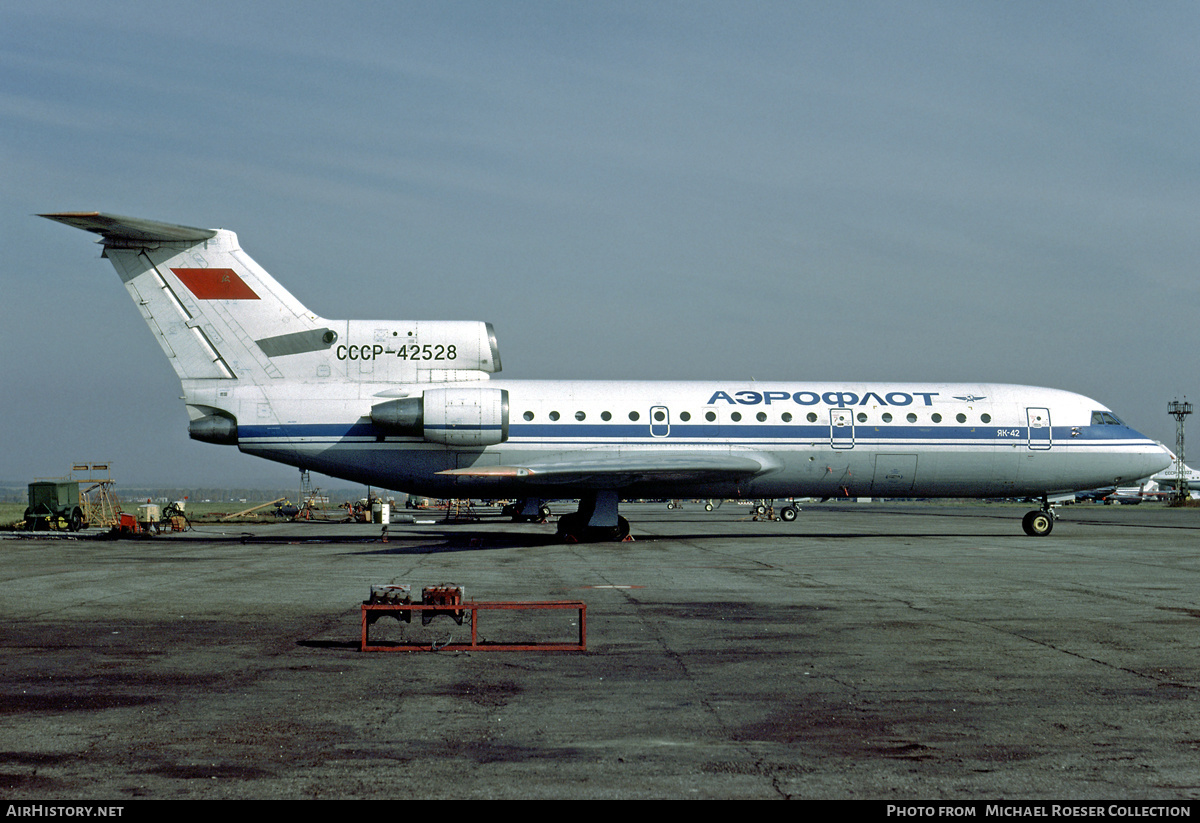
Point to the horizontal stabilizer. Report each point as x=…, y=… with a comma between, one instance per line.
x=114, y=227
x=626, y=468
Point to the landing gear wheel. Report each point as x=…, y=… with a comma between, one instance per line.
x=545, y=513
x=760, y=509
x=708, y=507
x=1038, y=523
x=622, y=529
x=788, y=513
x=569, y=527
x=573, y=528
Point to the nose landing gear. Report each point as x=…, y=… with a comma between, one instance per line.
x=1041, y=522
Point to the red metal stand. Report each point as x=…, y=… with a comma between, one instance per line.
x=373, y=611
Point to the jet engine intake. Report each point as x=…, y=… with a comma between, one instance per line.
x=469, y=416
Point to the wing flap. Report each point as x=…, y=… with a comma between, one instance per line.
x=625, y=469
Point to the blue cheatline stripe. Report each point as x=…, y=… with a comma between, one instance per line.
x=759, y=432
x=544, y=445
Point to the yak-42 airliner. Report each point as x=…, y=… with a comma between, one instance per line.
x=409, y=405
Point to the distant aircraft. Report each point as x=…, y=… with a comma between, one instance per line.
x=409, y=405
x=1130, y=495
x=1169, y=477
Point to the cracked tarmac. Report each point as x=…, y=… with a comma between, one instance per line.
x=875, y=651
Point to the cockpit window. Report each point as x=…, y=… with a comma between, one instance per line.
x=1103, y=418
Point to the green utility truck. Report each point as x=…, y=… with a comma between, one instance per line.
x=54, y=505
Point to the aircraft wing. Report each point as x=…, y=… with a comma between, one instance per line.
x=614, y=471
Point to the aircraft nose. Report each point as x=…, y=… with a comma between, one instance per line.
x=1154, y=458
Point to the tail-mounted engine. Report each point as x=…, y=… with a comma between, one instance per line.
x=424, y=351
x=470, y=416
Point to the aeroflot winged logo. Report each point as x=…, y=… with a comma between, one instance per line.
x=215, y=284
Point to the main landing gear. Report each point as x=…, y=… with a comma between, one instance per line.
x=530, y=510
x=1041, y=522
x=597, y=520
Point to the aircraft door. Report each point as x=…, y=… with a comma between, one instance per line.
x=841, y=428
x=660, y=421
x=1039, y=428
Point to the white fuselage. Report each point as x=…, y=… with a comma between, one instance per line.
x=410, y=406
x=814, y=439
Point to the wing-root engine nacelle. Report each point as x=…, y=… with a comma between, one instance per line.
x=470, y=416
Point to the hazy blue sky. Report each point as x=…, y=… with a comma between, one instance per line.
x=925, y=191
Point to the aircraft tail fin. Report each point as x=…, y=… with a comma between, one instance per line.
x=219, y=317
x=215, y=312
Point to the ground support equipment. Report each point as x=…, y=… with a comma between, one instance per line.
x=439, y=602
